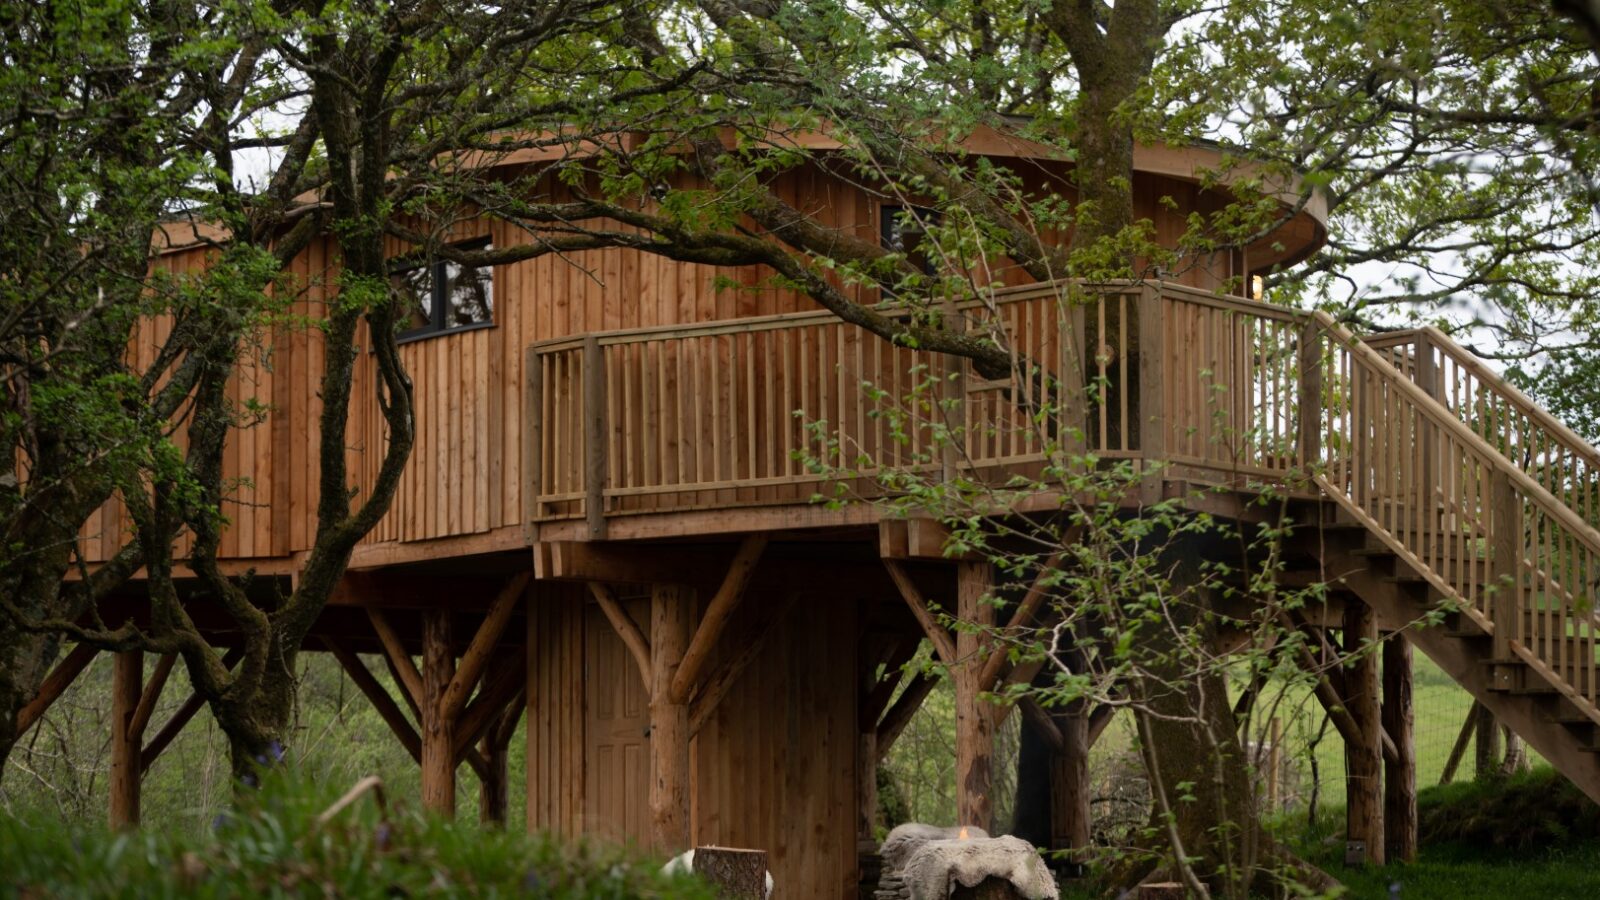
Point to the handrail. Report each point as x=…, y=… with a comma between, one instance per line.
x=1444, y=419
x=1570, y=439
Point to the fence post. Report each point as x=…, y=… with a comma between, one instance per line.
x=1152, y=375
x=532, y=440
x=1427, y=377
x=594, y=437
x=1505, y=547
x=1310, y=399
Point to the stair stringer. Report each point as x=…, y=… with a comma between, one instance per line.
x=1400, y=609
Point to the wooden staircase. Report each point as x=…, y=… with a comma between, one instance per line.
x=1461, y=513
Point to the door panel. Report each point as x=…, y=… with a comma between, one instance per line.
x=616, y=748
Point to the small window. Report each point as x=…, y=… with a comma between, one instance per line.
x=903, y=229
x=444, y=296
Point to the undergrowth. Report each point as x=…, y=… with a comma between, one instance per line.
x=274, y=846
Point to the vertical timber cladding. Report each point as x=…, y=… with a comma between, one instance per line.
x=774, y=767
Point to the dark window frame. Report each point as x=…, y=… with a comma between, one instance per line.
x=888, y=213
x=438, y=311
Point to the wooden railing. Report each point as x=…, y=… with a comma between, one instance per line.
x=1524, y=432
x=764, y=410
x=1482, y=492
x=1482, y=529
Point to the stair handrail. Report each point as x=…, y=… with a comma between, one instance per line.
x=1463, y=357
x=1442, y=418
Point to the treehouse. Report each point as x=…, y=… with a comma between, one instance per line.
x=607, y=523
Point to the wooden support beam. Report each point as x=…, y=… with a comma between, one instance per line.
x=438, y=732
x=54, y=685
x=378, y=696
x=127, y=682
x=869, y=685
x=1040, y=720
x=1021, y=618
x=899, y=715
x=1399, y=775
x=151, y=696
x=974, y=723
x=1099, y=718
x=596, y=436
x=1070, y=819
x=942, y=644
x=626, y=628
x=1486, y=750
x=494, y=785
x=1363, y=757
x=723, y=603
x=716, y=687
x=876, y=700
x=153, y=749
x=671, y=608
x=480, y=717
x=472, y=663
x=405, y=671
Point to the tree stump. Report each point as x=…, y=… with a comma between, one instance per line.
x=736, y=874
x=987, y=889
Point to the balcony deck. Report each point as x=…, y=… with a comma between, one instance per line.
x=704, y=428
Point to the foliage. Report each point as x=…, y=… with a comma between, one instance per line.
x=275, y=847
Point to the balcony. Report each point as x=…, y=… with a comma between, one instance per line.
x=753, y=412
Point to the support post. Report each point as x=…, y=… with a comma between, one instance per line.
x=438, y=733
x=127, y=682
x=1363, y=757
x=1399, y=774
x=1152, y=412
x=1310, y=400
x=671, y=607
x=1070, y=820
x=1505, y=541
x=594, y=437
x=974, y=724
x=1487, y=749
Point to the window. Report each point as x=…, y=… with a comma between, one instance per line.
x=903, y=229
x=444, y=296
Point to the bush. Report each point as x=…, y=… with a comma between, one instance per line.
x=275, y=847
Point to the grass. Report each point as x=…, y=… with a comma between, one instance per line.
x=1533, y=835
x=277, y=848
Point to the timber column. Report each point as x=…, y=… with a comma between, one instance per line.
x=1363, y=759
x=438, y=732
x=974, y=721
x=127, y=682
x=671, y=607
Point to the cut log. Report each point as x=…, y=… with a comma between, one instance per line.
x=736, y=874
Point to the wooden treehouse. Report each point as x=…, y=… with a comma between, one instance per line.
x=607, y=520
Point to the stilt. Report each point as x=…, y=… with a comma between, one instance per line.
x=1070, y=821
x=867, y=747
x=671, y=607
x=1400, y=773
x=1487, y=748
x=974, y=723
x=127, y=682
x=438, y=733
x=1363, y=758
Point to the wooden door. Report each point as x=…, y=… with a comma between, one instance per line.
x=616, y=748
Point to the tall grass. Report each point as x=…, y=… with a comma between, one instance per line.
x=273, y=845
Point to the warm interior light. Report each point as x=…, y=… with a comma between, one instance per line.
x=1257, y=287
x=963, y=834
